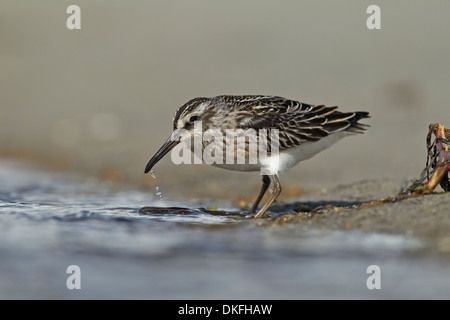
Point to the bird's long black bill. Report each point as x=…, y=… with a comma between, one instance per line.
x=165, y=148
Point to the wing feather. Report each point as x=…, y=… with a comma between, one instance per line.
x=297, y=122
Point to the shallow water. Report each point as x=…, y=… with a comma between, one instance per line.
x=50, y=221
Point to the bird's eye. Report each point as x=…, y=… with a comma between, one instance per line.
x=193, y=119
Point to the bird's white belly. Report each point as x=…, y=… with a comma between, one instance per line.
x=288, y=158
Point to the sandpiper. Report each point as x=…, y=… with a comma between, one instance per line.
x=303, y=131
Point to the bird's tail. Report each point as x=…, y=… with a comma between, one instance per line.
x=355, y=126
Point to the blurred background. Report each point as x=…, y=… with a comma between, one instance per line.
x=100, y=100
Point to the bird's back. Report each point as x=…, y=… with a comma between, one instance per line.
x=297, y=122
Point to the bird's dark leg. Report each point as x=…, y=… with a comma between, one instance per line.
x=276, y=192
x=265, y=185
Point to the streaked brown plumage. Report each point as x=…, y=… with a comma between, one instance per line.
x=304, y=129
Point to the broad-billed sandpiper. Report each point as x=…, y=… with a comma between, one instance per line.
x=303, y=130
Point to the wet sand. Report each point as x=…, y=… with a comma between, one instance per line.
x=351, y=206
x=425, y=217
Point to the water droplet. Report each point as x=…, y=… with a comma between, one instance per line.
x=158, y=193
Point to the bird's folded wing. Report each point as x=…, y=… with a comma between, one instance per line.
x=296, y=128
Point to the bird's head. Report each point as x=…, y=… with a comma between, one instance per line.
x=183, y=127
x=189, y=113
